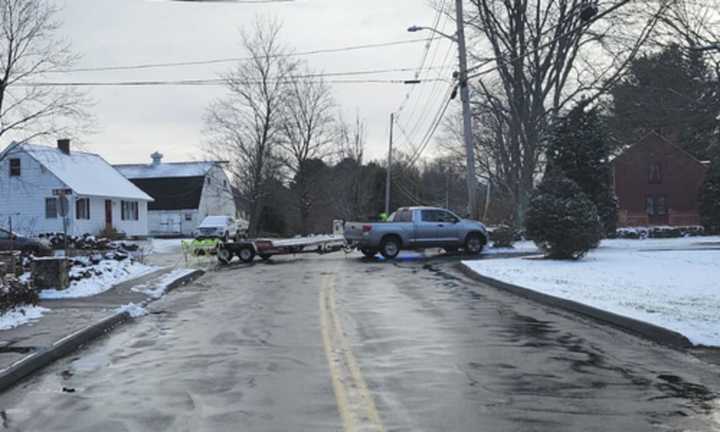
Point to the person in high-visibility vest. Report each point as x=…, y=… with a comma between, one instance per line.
x=383, y=217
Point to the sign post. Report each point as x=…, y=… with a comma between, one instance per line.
x=64, y=206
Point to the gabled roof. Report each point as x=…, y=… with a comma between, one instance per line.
x=172, y=193
x=84, y=173
x=166, y=170
x=651, y=139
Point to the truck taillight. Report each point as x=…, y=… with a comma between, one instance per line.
x=367, y=228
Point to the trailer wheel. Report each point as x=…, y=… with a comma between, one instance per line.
x=224, y=255
x=246, y=254
x=369, y=253
x=390, y=247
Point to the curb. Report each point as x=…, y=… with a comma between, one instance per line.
x=646, y=330
x=24, y=367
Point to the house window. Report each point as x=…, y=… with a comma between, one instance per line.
x=129, y=210
x=82, y=208
x=14, y=167
x=655, y=173
x=188, y=217
x=51, y=208
x=656, y=205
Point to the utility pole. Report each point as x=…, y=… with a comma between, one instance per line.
x=389, y=166
x=471, y=179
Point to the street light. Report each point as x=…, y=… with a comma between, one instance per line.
x=459, y=38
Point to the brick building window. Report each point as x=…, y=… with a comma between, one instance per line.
x=656, y=205
x=655, y=173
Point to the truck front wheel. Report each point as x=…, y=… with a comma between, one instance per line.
x=474, y=244
x=390, y=247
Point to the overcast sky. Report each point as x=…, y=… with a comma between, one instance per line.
x=133, y=122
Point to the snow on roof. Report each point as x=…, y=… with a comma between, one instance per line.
x=85, y=173
x=171, y=169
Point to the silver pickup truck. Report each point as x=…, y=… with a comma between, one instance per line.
x=417, y=228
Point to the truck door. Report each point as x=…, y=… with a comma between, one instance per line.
x=437, y=228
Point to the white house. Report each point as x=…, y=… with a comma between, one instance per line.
x=184, y=193
x=32, y=178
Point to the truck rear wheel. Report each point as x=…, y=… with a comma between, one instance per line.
x=390, y=247
x=474, y=244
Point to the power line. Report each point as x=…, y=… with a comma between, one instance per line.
x=424, y=57
x=238, y=59
x=433, y=128
x=206, y=82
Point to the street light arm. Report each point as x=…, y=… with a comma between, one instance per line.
x=414, y=29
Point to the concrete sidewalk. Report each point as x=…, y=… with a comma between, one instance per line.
x=71, y=323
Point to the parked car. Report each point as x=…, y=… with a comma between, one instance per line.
x=221, y=227
x=417, y=228
x=12, y=241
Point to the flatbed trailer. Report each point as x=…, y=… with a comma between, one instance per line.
x=247, y=250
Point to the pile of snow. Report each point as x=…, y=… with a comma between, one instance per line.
x=520, y=247
x=105, y=275
x=158, y=289
x=673, y=284
x=132, y=309
x=21, y=315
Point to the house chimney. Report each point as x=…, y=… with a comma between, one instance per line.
x=64, y=145
x=156, y=158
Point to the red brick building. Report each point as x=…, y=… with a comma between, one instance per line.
x=657, y=183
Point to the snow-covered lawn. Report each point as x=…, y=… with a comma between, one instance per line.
x=672, y=283
x=21, y=315
x=109, y=274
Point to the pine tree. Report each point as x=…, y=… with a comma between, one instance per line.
x=673, y=91
x=579, y=146
x=561, y=219
x=710, y=199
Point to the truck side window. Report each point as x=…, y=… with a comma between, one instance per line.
x=403, y=216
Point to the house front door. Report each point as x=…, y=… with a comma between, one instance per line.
x=108, y=215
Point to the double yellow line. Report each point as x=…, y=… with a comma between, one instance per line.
x=355, y=403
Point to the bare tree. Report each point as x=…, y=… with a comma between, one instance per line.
x=245, y=127
x=350, y=191
x=29, y=50
x=546, y=56
x=308, y=134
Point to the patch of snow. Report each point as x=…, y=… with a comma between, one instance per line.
x=165, y=246
x=111, y=273
x=520, y=247
x=166, y=169
x=134, y=310
x=21, y=315
x=158, y=289
x=671, y=283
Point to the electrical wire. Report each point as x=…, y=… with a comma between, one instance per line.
x=237, y=59
x=207, y=82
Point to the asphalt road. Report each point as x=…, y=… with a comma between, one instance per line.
x=334, y=343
